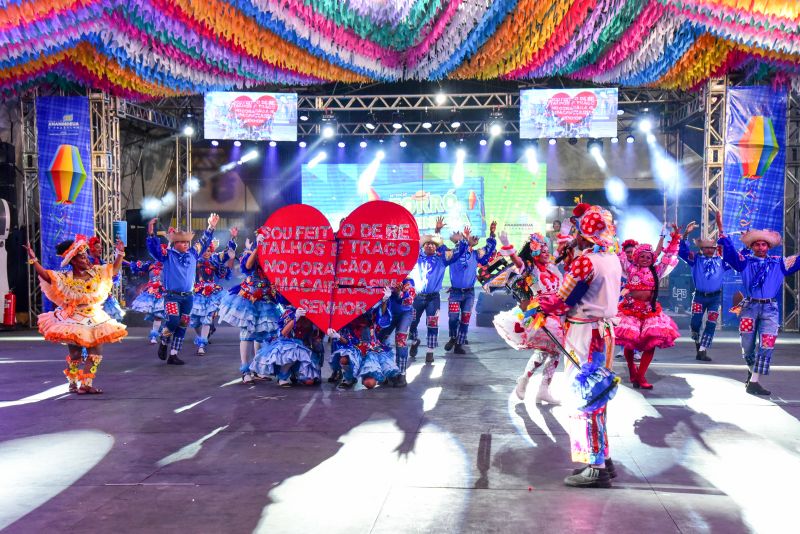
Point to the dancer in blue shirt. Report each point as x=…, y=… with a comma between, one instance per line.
x=762, y=278
x=463, y=275
x=708, y=271
x=180, y=266
x=433, y=259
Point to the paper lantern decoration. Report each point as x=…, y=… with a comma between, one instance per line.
x=67, y=174
x=757, y=147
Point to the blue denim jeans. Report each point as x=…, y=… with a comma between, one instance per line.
x=758, y=328
x=702, y=305
x=177, y=309
x=401, y=321
x=459, y=310
x=429, y=304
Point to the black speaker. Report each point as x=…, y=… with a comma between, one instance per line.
x=8, y=188
x=7, y=154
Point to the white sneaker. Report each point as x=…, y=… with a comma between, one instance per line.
x=637, y=356
x=522, y=385
x=544, y=395
x=201, y=351
x=153, y=341
x=247, y=378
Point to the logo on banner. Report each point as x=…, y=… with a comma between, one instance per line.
x=254, y=113
x=572, y=110
x=338, y=276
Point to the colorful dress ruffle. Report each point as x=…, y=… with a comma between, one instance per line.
x=253, y=307
x=206, y=302
x=79, y=318
x=379, y=363
x=520, y=334
x=149, y=304
x=283, y=351
x=643, y=328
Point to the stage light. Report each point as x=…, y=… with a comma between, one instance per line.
x=551, y=141
x=645, y=125
x=380, y=154
x=321, y=156
x=214, y=143
x=367, y=177
x=454, y=125
x=151, y=206
x=616, y=191
x=441, y=98
x=495, y=129
x=303, y=117
x=645, y=109
x=328, y=131
x=545, y=206
x=237, y=144
x=273, y=144
x=572, y=141
x=370, y=126
x=341, y=144
x=426, y=125
x=651, y=139
x=251, y=155
x=188, y=130
x=620, y=111
x=533, y=160
x=482, y=142
x=461, y=154
x=192, y=185
x=397, y=125
x=403, y=144
x=507, y=142
x=302, y=144
x=630, y=139
x=595, y=147
x=363, y=144
x=614, y=140
x=458, y=168
x=443, y=144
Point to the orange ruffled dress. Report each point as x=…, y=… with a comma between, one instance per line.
x=79, y=318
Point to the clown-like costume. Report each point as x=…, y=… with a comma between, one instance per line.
x=207, y=292
x=433, y=259
x=150, y=301
x=708, y=272
x=399, y=307
x=79, y=321
x=252, y=307
x=643, y=325
x=762, y=279
x=463, y=275
x=588, y=296
x=357, y=353
x=518, y=329
x=111, y=305
x=296, y=355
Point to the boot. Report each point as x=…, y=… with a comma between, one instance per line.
x=522, y=386
x=754, y=388
x=701, y=355
x=633, y=370
x=450, y=344
x=589, y=477
x=647, y=357
x=429, y=357
x=174, y=360
x=399, y=381
x=544, y=395
x=412, y=352
x=459, y=349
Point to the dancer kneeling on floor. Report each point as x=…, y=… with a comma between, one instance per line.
x=296, y=356
x=643, y=325
x=357, y=353
x=540, y=277
x=79, y=321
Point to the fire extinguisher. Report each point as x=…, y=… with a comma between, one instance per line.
x=9, y=309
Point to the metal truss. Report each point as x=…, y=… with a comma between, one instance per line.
x=715, y=94
x=385, y=129
x=791, y=221
x=183, y=175
x=133, y=112
x=30, y=189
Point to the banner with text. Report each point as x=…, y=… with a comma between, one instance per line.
x=755, y=160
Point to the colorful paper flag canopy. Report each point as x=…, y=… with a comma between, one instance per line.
x=757, y=147
x=67, y=174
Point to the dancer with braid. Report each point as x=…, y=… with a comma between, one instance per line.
x=79, y=321
x=643, y=324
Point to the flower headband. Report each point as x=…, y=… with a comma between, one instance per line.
x=80, y=243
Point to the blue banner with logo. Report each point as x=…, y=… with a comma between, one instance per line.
x=755, y=161
x=65, y=175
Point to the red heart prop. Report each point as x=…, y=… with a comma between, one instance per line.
x=338, y=277
x=572, y=110
x=254, y=113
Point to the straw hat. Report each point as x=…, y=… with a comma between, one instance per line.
x=436, y=239
x=705, y=242
x=772, y=238
x=174, y=235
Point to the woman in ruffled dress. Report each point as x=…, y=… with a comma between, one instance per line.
x=150, y=301
x=539, y=277
x=296, y=356
x=79, y=321
x=253, y=308
x=208, y=293
x=643, y=325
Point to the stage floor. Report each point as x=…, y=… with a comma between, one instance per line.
x=190, y=449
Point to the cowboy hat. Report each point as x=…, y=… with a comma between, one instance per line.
x=431, y=238
x=705, y=243
x=174, y=235
x=772, y=238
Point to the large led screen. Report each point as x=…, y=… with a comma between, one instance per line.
x=465, y=194
x=568, y=113
x=251, y=116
